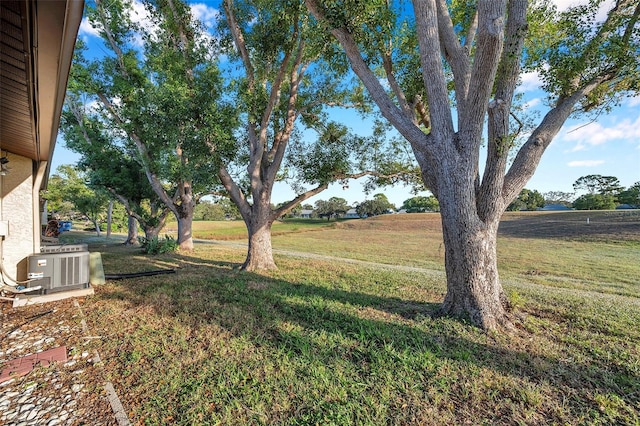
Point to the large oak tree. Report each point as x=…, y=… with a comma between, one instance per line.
x=464, y=60
x=282, y=85
x=111, y=164
x=159, y=90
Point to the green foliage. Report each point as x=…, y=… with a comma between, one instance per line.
x=69, y=184
x=559, y=197
x=574, y=48
x=155, y=245
x=219, y=209
x=206, y=210
x=630, y=195
x=595, y=202
x=421, y=204
x=335, y=206
x=326, y=160
x=160, y=112
x=379, y=205
x=108, y=160
x=527, y=200
x=598, y=184
x=290, y=75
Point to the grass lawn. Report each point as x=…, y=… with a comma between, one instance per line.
x=321, y=341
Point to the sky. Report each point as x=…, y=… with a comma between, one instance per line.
x=608, y=146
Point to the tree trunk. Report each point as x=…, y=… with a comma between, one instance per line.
x=96, y=224
x=151, y=232
x=132, y=232
x=109, y=218
x=259, y=252
x=185, y=217
x=185, y=237
x=474, y=290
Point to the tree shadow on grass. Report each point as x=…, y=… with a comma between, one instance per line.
x=370, y=333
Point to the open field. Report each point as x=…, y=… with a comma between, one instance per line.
x=236, y=230
x=322, y=341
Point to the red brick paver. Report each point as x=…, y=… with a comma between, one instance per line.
x=22, y=366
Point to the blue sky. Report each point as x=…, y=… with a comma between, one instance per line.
x=608, y=146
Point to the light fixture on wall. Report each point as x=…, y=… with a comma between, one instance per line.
x=3, y=166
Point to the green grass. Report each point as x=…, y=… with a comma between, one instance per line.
x=327, y=342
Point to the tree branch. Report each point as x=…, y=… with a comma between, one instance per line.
x=281, y=141
x=110, y=38
x=287, y=207
x=528, y=157
x=491, y=27
x=395, y=87
x=238, y=40
x=456, y=55
x=471, y=33
x=235, y=193
x=155, y=182
x=429, y=43
x=500, y=140
x=388, y=109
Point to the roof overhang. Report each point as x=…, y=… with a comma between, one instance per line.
x=37, y=39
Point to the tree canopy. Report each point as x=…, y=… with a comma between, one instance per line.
x=70, y=183
x=158, y=95
x=630, y=196
x=598, y=184
x=421, y=204
x=378, y=205
x=527, y=200
x=333, y=207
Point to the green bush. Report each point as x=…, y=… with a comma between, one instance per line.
x=595, y=202
x=156, y=245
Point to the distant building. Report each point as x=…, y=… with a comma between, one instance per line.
x=306, y=214
x=351, y=214
x=555, y=207
x=625, y=207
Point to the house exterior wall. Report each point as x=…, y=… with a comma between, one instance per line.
x=16, y=207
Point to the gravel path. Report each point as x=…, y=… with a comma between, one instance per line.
x=69, y=393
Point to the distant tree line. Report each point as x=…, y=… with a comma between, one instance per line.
x=600, y=193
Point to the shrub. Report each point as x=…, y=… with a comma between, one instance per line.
x=156, y=245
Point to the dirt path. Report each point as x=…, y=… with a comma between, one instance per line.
x=307, y=255
x=513, y=283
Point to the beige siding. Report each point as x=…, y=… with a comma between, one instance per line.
x=16, y=198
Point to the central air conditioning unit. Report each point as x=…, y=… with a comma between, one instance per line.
x=63, y=248
x=59, y=271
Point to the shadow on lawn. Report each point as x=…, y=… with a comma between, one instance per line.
x=365, y=329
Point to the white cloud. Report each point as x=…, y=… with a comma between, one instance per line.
x=384, y=83
x=140, y=16
x=594, y=134
x=633, y=102
x=208, y=15
x=530, y=81
x=602, y=11
x=532, y=103
x=563, y=5
x=86, y=29
x=92, y=106
x=585, y=163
